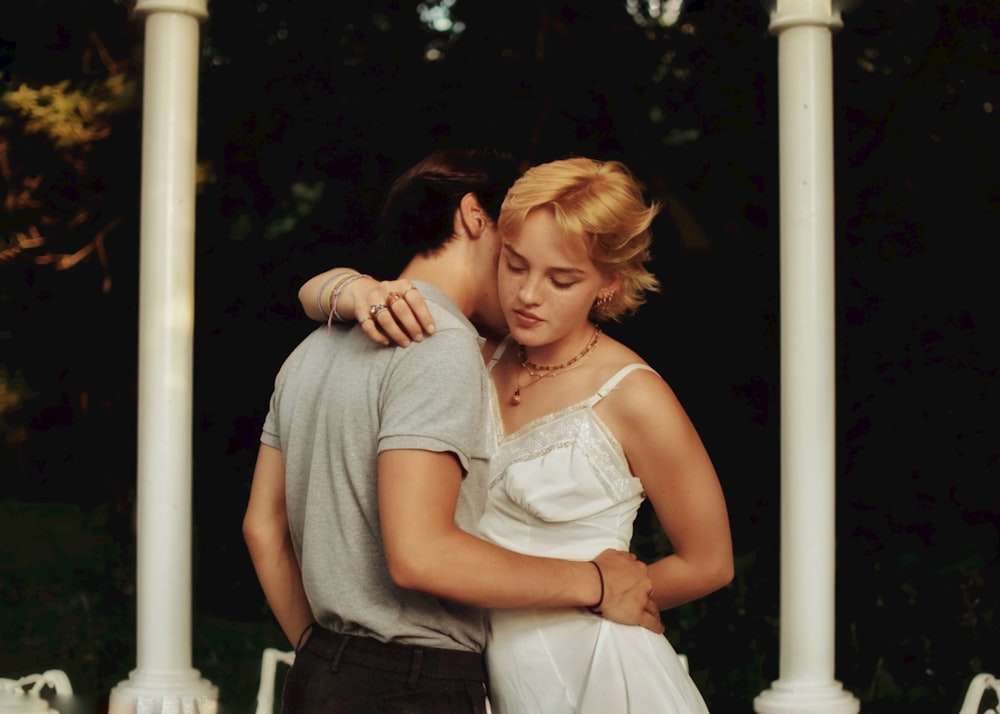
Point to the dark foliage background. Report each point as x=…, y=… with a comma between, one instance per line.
x=309, y=109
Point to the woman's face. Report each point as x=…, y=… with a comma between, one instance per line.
x=547, y=283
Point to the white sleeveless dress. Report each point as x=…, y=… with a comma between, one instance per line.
x=560, y=487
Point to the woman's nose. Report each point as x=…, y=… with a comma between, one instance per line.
x=528, y=290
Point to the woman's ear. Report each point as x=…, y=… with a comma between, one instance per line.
x=472, y=215
x=611, y=285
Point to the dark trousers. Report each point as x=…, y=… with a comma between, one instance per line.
x=335, y=673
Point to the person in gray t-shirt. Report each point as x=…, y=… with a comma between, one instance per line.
x=371, y=476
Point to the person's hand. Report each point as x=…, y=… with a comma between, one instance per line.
x=394, y=310
x=628, y=591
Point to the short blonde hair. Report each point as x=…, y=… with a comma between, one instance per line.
x=602, y=203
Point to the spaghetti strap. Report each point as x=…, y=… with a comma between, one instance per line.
x=498, y=353
x=617, y=377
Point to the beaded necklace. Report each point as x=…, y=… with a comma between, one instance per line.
x=540, y=371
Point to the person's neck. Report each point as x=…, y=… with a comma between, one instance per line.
x=448, y=271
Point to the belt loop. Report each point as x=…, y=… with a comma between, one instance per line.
x=341, y=646
x=415, y=667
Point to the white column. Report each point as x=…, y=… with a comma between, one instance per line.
x=164, y=680
x=806, y=681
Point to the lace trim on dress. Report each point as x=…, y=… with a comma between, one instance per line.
x=576, y=428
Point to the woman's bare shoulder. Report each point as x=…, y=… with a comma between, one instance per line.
x=642, y=392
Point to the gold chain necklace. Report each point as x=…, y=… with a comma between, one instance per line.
x=541, y=371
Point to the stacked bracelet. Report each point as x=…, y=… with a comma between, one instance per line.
x=596, y=609
x=336, y=279
x=334, y=315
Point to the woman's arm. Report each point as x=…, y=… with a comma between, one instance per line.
x=345, y=295
x=667, y=455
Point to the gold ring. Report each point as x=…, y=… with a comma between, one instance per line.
x=392, y=298
x=374, y=310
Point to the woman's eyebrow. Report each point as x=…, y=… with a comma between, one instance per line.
x=510, y=249
x=555, y=269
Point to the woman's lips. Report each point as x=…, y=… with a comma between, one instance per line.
x=526, y=319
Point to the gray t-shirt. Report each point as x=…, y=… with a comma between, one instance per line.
x=339, y=400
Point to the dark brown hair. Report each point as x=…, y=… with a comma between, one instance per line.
x=418, y=216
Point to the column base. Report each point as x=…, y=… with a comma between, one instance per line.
x=803, y=698
x=164, y=692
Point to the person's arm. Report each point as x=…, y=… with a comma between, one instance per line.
x=667, y=455
x=347, y=296
x=425, y=550
x=265, y=530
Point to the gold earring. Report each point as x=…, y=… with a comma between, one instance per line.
x=603, y=300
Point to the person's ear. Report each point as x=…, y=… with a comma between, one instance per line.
x=607, y=292
x=472, y=215
x=611, y=286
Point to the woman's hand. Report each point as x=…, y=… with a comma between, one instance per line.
x=343, y=294
x=393, y=311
